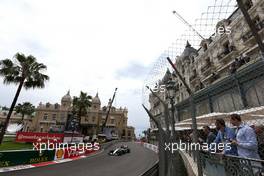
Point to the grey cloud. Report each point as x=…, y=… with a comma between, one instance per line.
x=133, y=70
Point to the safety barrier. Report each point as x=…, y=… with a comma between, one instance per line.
x=13, y=158
x=25, y=157
x=154, y=170
x=225, y=165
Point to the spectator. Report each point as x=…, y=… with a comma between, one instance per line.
x=210, y=136
x=260, y=137
x=225, y=135
x=246, y=141
x=242, y=60
x=237, y=63
x=232, y=68
x=246, y=58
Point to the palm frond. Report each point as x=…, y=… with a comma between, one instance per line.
x=25, y=69
x=21, y=58
x=10, y=79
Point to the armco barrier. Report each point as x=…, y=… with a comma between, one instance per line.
x=13, y=158
x=154, y=170
x=70, y=153
x=25, y=157
x=149, y=146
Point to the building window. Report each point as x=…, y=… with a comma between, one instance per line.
x=226, y=48
x=192, y=59
x=182, y=96
x=124, y=133
x=258, y=23
x=56, y=106
x=248, y=4
x=93, y=119
x=62, y=116
x=47, y=105
x=205, y=47
x=112, y=121
x=183, y=70
x=45, y=117
x=86, y=119
x=41, y=129
x=178, y=99
x=207, y=61
x=53, y=116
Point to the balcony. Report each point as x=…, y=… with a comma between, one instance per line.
x=227, y=55
x=87, y=122
x=194, y=78
x=207, y=69
x=248, y=37
x=60, y=122
x=48, y=121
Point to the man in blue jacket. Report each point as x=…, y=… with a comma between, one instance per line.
x=225, y=136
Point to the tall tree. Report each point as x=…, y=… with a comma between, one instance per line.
x=81, y=104
x=25, y=109
x=23, y=71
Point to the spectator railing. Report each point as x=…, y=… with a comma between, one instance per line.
x=218, y=164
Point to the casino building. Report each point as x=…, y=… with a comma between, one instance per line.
x=54, y=118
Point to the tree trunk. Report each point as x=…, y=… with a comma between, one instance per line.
x=3, y=130
x=22, y=117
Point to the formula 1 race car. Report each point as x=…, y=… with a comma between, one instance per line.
x=119, y=151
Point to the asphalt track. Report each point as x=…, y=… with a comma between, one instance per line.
x=133, y=164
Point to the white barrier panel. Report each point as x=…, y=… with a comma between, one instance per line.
x=151, y=147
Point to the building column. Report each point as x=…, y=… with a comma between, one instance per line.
x=211, y=107
x=241, y=91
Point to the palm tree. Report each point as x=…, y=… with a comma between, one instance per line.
x=25, y=72
x=25, y=109
x=81, y=105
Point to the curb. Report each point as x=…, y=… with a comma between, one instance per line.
x=28, y=166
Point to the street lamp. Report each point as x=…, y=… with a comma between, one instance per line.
x=74, y=124
x=192, y=105
x=170, y=87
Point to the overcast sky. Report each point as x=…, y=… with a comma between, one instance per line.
x=92, y=45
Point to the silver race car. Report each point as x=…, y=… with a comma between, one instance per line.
x=119, y=151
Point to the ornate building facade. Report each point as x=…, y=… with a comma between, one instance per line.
x=225, y=72
x=54, y=117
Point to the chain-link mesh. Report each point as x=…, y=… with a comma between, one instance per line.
x=205, y=25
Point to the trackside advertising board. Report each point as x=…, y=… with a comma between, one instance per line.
x=39, y=137
x=70, y=153
x=13, y=158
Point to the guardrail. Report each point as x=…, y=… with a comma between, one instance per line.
x=154, y=170
x=225, y=165
x=24, y=157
